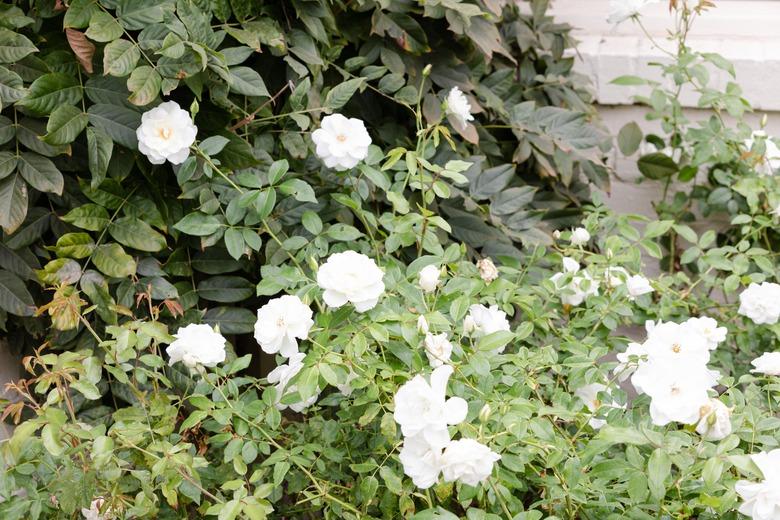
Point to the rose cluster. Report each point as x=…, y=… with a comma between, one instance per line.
x=671, y=368
x=424, y=413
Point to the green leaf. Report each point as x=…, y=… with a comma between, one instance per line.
x=119, y=123
x=629, y=81
x=40, y=173
x=234, y=242
x=658, y=469
x=7, y=164
x=88, y=216
x=74, y=245
x=103, y=27
x=495, y=341
x=14, y=296
x=120, y=57
x=87, y=389
x=13, y=202
x=299, y=189
x=14, y=46
x=112, y=261
x=339, y=95
x=79, y=13
x=134, y=232
x=99, y=150
x=657, y=166
x=213, y=145
x=144, y=83
x=231, y=320
x=11, y=87
x=50, y=435
x=137, y=14
x=50, y=91
x=64, y=125
x=226, y=289
x=629, y=138
x=248, y=82
x=198, y=224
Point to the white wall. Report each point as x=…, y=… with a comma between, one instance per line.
x=745, y=32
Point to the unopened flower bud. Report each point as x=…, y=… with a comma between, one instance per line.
x=422, y=325
x=487, y=270
x=484, y=413
x=427, y=70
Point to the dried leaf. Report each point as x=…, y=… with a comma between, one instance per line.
x=83, y=48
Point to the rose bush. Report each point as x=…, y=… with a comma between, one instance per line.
x=411, y=375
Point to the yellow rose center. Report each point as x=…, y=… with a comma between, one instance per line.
x=165, y=133
x=341, y=138
x=676, y=348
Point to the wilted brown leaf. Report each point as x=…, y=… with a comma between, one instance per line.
x=83, y=48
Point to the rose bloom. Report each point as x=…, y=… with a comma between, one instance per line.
x=622, y=10
x=486, y=320
x=579, y=288
x=280, y=322
x=579, y=236
x=770, y=161
x=487, y=270
x=761, y=500
x=166, y=133
x=421, y=462
x=351, y=277
x=625, y=366
x=715, y=422
x=341, y=142
x=197, y=345
x=678, y=391
x=589, y=394
x=438, y=349
x=422, y=408
x=468, y=461
x=282, y=375
x=458, y=108
x=709, y=330
x=761, y=303
x=93, y=513
x=637, y=285
x=767, y=363
x=677, y=343
x=429, y=278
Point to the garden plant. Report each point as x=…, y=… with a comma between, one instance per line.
x=352, y=259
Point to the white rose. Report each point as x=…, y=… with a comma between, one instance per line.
x=579, y=236
x=421, y=461
x=589, y=394
x=469, y=325
x=709, y=330
x=715, y=422
x=770, y=161
x=487, y=270
x=579, y=288
x=468, y=461
x=638, y=285
x=281, y=377
x=197, y=344
x=761, y=303
x=678, y=391
x=340, y=142
x=677, y=343
x=767, y=363
x=458, y=108
x=351, y=277
x=486, y=320
x=626, y=367
x=622, y=10
x=761, y=500
x=166, y=133
x=429, y=278
x=93, y=513
x=280, y=322
x=422, y=325
x=422, y=408
x=438, y=349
